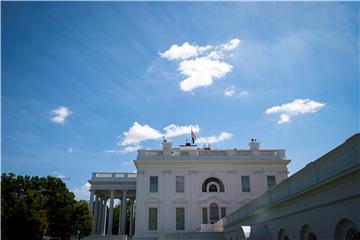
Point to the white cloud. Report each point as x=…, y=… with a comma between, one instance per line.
x=127, y=162
x=298, y=106
x=82, y=193
x=233, y=92
x=284, y=118
x=231, y=45
x=60, y=176
x=70, y=150
x=201, y=72
x=198, y=65
x=60, y=114
x=223, y=136
x=244, y=93
x=184, y=51
x=130, y=149
x=230, y=91
x=173, y=130
x=127, y=149
x=112, y=151
x=138, y=133
x=216, y=55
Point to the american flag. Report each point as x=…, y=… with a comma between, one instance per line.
x=193, y=136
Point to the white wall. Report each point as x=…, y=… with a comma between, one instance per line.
x=195, y=172
x=321, y=195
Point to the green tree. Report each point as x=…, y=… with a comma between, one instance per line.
x=36, y=206
x=82, y=219
x=22, y=211
x=59, y=206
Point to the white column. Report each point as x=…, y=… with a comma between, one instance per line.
x=99, y=216
x=120, y=210
x=131, y=217
x=91, y=205
x=103, y=227
x=123, y=213
x=110, y=220
x=95, y=216
x=134, y=214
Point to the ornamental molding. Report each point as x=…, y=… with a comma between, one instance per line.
x=152, y=200
x=190, y=172
x=232, y=172
x=180, y=200
x=164, y=172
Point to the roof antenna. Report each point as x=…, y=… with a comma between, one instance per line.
x=164, y=140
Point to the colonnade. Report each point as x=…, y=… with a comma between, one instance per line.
x=98, y=205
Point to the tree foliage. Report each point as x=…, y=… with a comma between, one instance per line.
x=34, y=207
x=82, y=219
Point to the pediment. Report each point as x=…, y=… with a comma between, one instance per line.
x=179, y=200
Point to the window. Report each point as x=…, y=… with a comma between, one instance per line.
x=153, y=219
x=271, y=181
x=212, y=180
x=153, y=184
x=213, y=188
x=180, y=185
x=245, y=183
x=180, y=218
x=214, y=213
x=204, y=215
x=223, y=212
x=311, y=236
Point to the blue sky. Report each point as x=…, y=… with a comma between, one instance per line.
x=86, y=83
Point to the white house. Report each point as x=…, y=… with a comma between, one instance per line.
x=179, y=189
x=192, y=193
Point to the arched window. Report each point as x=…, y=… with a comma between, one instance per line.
x=282, y=235
x=213, y=188
x=207, y=185
x=311, y=236
x=352, y=234
x=346, y=230
x=307, y=233
x=214, y=213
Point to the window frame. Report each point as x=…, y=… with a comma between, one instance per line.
x=182, y=184
x=152, y=186
x=152, y=210
x=214, y=212
x=243, y=188
x=179, y=222
x=205, y=217
x=268, y=182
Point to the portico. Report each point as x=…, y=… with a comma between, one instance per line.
x=105, y=189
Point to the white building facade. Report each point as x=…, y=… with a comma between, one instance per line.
x=321, y=201
x=187, y=189
x=190, y=193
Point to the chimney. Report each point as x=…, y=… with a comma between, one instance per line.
x=167, y=147
x=254, y=145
